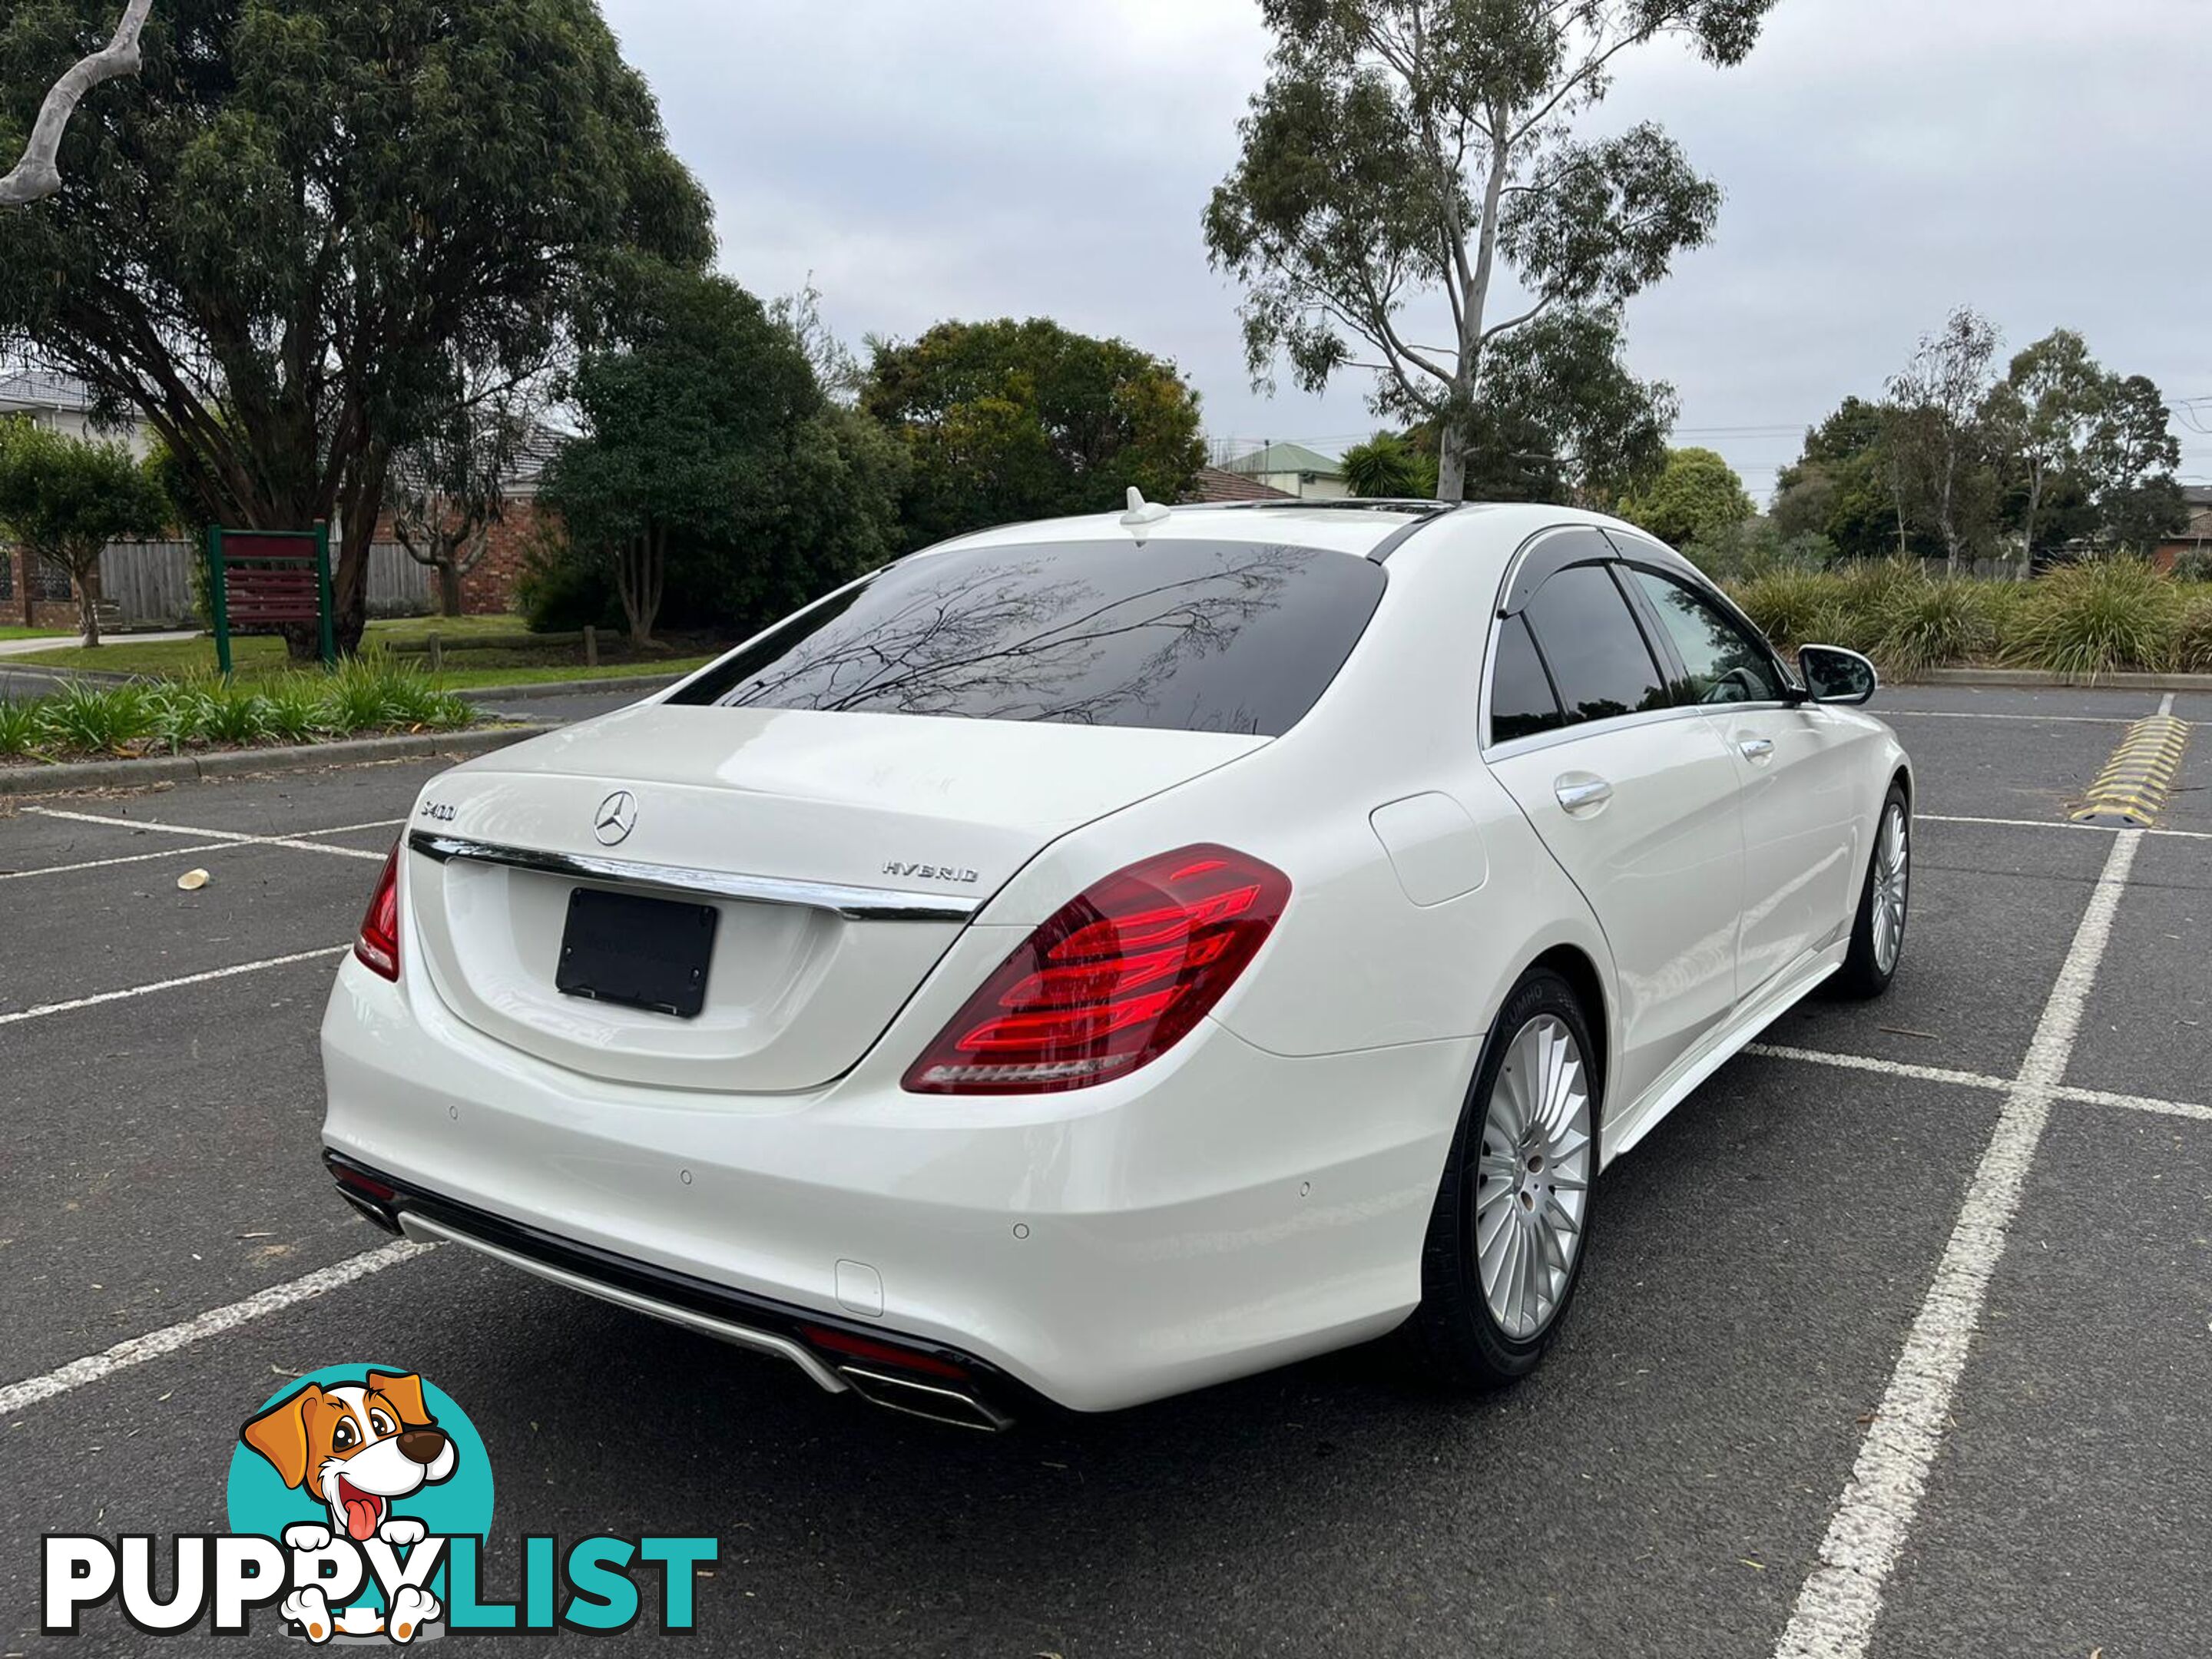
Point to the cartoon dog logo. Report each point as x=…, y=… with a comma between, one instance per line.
x=357, y=1447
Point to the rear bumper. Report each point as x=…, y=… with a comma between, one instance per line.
x=926, y=1379
x=1223, y=1211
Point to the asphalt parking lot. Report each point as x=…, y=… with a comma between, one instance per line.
x=1895, y=1338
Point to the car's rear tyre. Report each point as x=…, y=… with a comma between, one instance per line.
x=1505, y=1242
x=1885, y=904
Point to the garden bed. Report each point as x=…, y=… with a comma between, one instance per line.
x=363, y=698
x=477, y=650
x=2081, y=623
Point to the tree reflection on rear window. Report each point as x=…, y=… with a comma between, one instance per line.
x=1174, y=635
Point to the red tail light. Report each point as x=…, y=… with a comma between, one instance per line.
x=1113, y=980
x=378, y=947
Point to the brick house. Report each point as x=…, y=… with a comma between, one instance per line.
x=1215, y=484
x=2195, y=536
x=488, y=589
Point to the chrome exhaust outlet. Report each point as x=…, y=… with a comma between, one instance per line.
x=938, y=1403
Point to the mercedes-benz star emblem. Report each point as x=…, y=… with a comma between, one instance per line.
x=615, y=818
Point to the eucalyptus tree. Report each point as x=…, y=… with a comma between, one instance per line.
x=1405, y=150
x=1936, y=430
x=2131, y=460
x=2044, y=415
x=38, y=174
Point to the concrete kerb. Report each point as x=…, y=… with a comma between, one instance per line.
x=585, y=688
x=2038, y=678
x=240, y=763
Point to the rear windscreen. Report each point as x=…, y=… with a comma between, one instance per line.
x=1179, y=635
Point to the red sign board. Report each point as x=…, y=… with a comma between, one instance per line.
x=270, y=579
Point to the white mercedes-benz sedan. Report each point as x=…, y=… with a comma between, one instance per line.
x=1088, y=960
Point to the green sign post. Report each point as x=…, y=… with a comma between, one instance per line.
x=262, y=578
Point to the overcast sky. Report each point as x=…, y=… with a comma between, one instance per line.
x=2046, y=160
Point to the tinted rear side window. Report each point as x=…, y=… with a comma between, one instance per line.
x=1177, y=635
x=1723, y=662
x=1593, y=646
x=1521, y=704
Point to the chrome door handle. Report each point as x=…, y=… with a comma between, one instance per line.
x=1583, y=794
x=1756, y=749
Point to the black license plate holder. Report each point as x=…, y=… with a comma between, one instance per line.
x=640, y=952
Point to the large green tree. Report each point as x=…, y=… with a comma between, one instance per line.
x=65, y=499
x=711, y=458
x=2130, y=461
x=1847, y=487
x=2042, y=417
x=1698, y=497
x=278, y=247
x=1406, y=149
x=1006, y=421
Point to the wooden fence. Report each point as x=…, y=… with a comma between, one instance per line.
x=398, y=585
x=148, y=582
x=153, y=582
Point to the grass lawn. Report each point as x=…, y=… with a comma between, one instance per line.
x=262, y=657
x=20, y=633
x=468, y=679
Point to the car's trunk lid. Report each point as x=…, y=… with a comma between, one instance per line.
x=779, y=803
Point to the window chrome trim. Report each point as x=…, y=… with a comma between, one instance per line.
x=1580, y=729
x=854, y=904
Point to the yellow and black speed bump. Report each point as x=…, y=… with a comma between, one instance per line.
x=2132, y=790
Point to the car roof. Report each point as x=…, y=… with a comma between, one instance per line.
x=1353, y=526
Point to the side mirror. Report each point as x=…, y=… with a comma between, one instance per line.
x=1832, y=674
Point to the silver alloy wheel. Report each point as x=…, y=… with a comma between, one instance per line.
x=1892, y=885
x=1532, y=1186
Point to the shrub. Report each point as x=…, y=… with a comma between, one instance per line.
x=358, y=695
x=98, y=718
x=293, y=710
x=2193, y=566
x=21, y=729
x=369, y=691
x=179, y=712
x=366, y=695
x=233, y=713
x=560, y=592
x=1926, y=624
x=2101, y=617
x=2189, y=652
x=1869, y=589
x=1797, y=607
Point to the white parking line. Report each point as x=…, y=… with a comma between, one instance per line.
x=105, y=864
x=1980, y=1080
x=2138, y=1104
x=1978, y=715
x=140, y=1349
x=1835, y=1614
x=231, y=838
x=46, y=1008
x=2061, y=824
x=1888, y=1067
x=234, y=836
